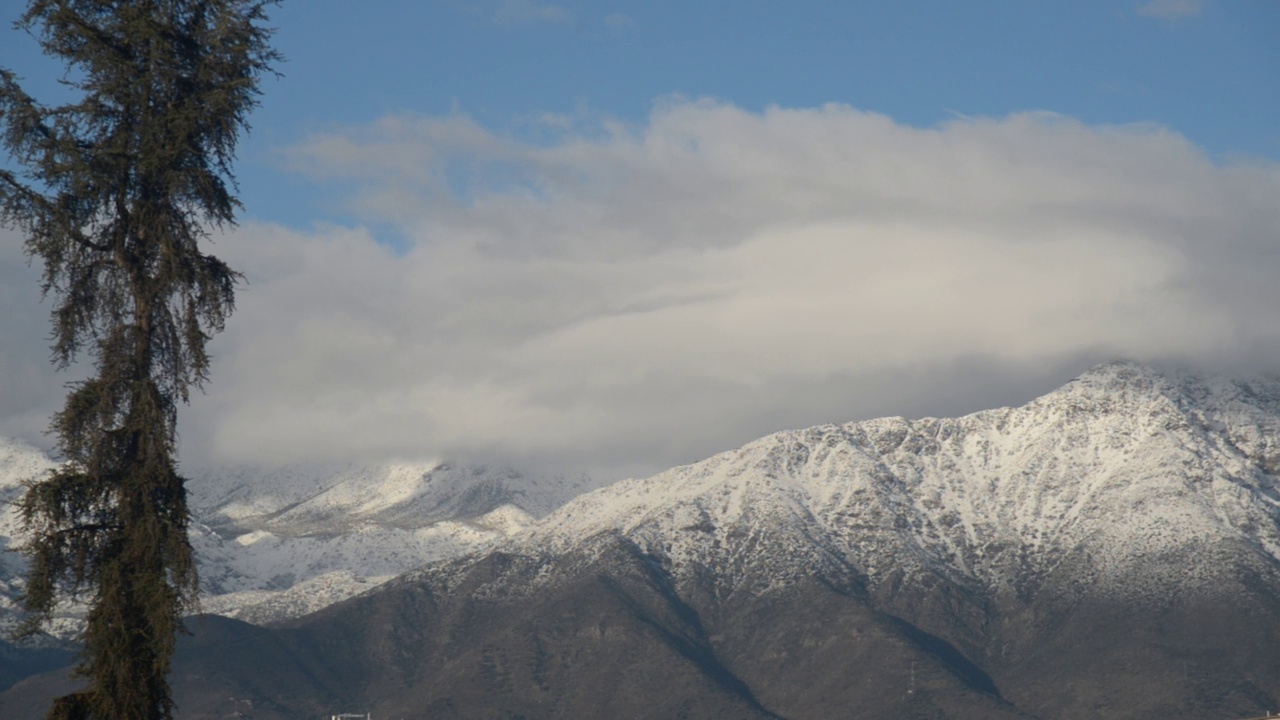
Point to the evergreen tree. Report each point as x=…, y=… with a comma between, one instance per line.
x=115, y=193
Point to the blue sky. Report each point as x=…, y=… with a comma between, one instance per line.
x=1209, y=70
x=621, y=236
x=1205, y=68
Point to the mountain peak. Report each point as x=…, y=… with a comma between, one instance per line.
x=1129, y=387
x=1121, y=465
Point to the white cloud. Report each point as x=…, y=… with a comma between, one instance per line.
x=517, y=12
x=1171, y=9
x=627, y=298
x=29, y=388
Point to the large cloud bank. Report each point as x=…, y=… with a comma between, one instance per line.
x=622, y=298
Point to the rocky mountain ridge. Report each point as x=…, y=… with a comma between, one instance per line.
x=1108, y=550
x=279, y=543
x=1121, y=466
x=1052, y=556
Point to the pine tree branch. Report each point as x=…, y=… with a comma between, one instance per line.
x=41, y=207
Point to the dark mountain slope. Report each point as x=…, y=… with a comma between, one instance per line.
x=1111, y=550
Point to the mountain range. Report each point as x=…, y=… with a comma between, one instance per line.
x=1109, y=550
x=279, y=542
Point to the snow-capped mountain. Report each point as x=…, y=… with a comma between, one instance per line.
x=279, y=543
x=1090, y=486
x=1111, y=549
x=19, y=461
x=288, y=541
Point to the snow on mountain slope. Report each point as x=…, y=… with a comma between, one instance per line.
x=277, y=543
x=272, y=531
x=314, y=499
x=1107, y=486
x=18, y=462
